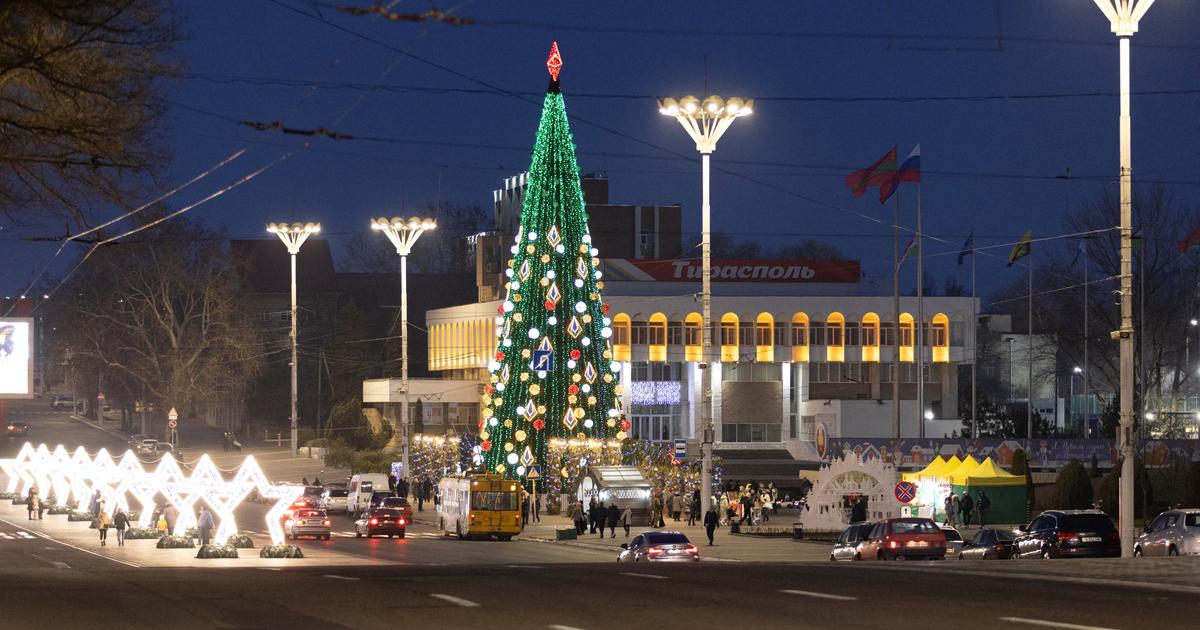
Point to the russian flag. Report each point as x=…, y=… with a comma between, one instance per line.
x=909, y=171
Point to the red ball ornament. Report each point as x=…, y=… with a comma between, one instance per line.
x=573, y=389
x=499, y=356
x=604, y=308
x=538, y=424
x=489, y=389
x=575, y=354
x=624, y=425
x=486, y=445
x=500, y=309
x=549, y=305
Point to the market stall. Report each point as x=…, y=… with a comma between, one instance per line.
x=1006, y=492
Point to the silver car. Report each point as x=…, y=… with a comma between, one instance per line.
x=659, y=547
x=1172, y=533
x=336, y=499
x=954, y=542
x=846, y=547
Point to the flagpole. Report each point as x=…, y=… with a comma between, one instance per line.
x=920, y=319
x=974, y=347
x=1029, y=396
x=1087, y=401
x=896, y=318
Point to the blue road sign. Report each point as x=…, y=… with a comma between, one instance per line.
x=543, y=360
x=680, y=449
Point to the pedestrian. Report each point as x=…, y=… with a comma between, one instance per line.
x=38, y=503
x=747, y=509
x=726, y=510
x=402, y=487
x=966, y=505
x=626, y=519
x=304, y=481
x=120, y=522
x=614, y=515
x=31, y=502
x=858, y=511
x=205, y=525
x=421, y=496
x=317, y=482
x=710, y=524
x=951, y=510
x=983, y=504
x=577, y=516
x=676, y=506
x=94, y=504
x=171, y=513
x=524, y=508
x=161, y=525
x=694, y=508
x=537, y=508
x=592, y=514
x=103, y=520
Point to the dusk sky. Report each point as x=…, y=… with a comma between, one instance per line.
x=836, y=84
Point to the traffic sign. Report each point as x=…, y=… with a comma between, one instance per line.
x=680, y=449
x=906, y=491
x=172, y=414
x=543, y=360
x=173, y=423
x=100, y=396
x=534, y=472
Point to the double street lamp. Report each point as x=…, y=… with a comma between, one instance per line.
x=293, y=236
x=403, y=233
x=706, y=121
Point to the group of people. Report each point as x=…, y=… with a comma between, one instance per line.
x=33, y=503
x=751, y=504
x=962, y=508
x=598, y=515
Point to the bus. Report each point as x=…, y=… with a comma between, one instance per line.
x=479, y=506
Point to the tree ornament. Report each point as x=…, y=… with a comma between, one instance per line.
x=625, y=425
x=575, y=354
x=508, y=447
x=526, y=353
x=549, y=305
x=554, y=62
x=499, y=355
x=529, y=249
x=604, y=308
x=520, y=435
x=508, y=423
x=545, y=258
x=539, y=424
x=573, y=389
x=600, y=285
x=486, y=445
x=536, y=389
x=610, y=422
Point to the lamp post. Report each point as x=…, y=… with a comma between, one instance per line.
x=1076, y=371
x=293, y=236
x=403, y=233
x=1123, y=16
x=706, y=121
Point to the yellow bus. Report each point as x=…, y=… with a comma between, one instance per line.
x=479, y=506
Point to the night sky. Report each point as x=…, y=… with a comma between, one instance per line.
x=836, y=84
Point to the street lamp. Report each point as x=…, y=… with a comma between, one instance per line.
x=706, y=121
x=1123, y=16
x=1077, y=371
x=293, y=236
x=403, y=233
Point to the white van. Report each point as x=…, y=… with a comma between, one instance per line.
x=362, y=485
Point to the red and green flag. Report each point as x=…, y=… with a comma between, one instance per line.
x=877, y=174
x=1192, y=240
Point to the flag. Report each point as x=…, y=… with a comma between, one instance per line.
x=1193, y=239
x=912, y=243
x=1021, y=249
x=968, y=248
x=1081, y=251
x=874, y=175
x=909, y=171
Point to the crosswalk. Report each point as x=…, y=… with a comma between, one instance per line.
x=17, y=536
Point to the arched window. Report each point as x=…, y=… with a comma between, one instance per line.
x=835, y=337
x=657, y=333
x=729, y=337
x=764, y=338
x=870, y=338
x=620, y=337
x=800, y=337
x=940, y=343
x=906, y=337
x=693, y=337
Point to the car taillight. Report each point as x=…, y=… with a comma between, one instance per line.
x=399, y=521
x=326, y=522
x=893, y=544
x=654, y=551
x=692, y=550
x=999, y=547
x=374, y=521
x=518, y=519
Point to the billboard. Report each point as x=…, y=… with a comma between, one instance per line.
x=733, y=270
x=16, y=357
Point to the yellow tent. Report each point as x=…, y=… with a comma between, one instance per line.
x=989, y=474
x=966, y=468
x=936, y=469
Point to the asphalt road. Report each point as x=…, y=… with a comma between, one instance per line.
x=54, y=426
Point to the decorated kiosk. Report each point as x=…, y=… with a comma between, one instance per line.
x=1006, y=491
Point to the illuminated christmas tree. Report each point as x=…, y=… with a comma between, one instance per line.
x=552, y=375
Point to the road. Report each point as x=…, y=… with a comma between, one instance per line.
x=55, y=426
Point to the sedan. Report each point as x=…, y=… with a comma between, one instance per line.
x=398, y=503
x=380, y=521
x=846, y=547
x=17, y=430
x=904, y=538
x=659, y=547
x=1172, y=533
x=954, y=541
x=313, y=523
x=988, y=544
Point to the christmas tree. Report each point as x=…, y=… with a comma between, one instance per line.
x=552, y=375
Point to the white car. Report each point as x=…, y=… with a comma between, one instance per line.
x=954, y=542
x=336, y=500
x=147, y=446
x=1172, y=533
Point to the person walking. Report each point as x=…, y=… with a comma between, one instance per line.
x=614, y=515
x=120, y=522
x=537, y=508
x=710, y=524
x=626, y=519
x=31, y=502
x=103, y=521
x=983, y=505
x=676, y=506
x=694, y=508
x=747, y=509
x=858, y=511
x=171, y=513
x=161, y=526
x=577, y=516
x=204, y=525
x=966, y=505
x=952, y=510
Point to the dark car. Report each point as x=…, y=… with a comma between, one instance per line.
x=16, y=429
x=377, y=498
x=398, y=503
x=988, y=544
x=1068, y=534
x=380, y=522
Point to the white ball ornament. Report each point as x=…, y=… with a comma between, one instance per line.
x=508, y=306
x=580, y=307
x=508, y=272
x=550, y=274
x=552, y=320
x=606, y=332
x=512, y=458
x=513, y=249
x=587, y=238
x=534, y=333
x=587, y=424
x=587, y=341
x=571, y=364
x=615, y=366
x=507, y=343
x=578, y=283
x=533, y=236
x=559, y=248
x=541, y=373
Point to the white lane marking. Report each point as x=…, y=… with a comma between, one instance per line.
x=1052, y=624
x=457, y=601
x=840, y=598
x=26, y=535
x=76, y=548
x=645, y=575
x=5, y=536
x=54, y=563
x=341, y=577
x=530, y=566
x=555, y=626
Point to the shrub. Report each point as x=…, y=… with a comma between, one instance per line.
x=1095, y=467
x=79, y=515
x=9, y=496
x=175, y=542
x=348, y=424
x=373, y=462
x=58, y=509
x=339, y=455
x=18, y=501
x=1110, y=490
x=217, y=551
x=241, y=541
x=142, y=533
x=1073, y=488
x=1019, y=464
x=281, y=551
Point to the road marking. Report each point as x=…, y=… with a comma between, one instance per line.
x=530, y=566
x=840, y=598
x=1052, y=624
x=26, y=535
x=76, y=548
x=5, y=536
x=341, y=577
x=54, y=563
x=457, y=601
x=646, y=575
x=555, y=626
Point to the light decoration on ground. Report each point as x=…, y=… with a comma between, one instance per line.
x=80, y=476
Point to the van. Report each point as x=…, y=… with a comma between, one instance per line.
x=362, y=485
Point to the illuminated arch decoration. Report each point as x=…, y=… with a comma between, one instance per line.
x=729, y=338
x=800, y=337
x=870, y=338
x=764, y=338
x=621, y=329
x=835, y=337
x=905, y=338
x=940, y=343
x=657, y=333
x=693, y=337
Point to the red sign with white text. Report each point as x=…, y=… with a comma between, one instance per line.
x=733, y=270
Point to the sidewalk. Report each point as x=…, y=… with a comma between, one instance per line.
x=727, y=547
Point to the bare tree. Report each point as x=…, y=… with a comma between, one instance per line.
x=79, y=113
x=439, y=251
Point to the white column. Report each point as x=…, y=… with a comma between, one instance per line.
x=405, y=423
x=785, y=383
x=295, y=366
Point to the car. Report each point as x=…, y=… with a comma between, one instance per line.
x=163, y=448
x=296, y=506
x=336, y=499
x=62, y=402
x=315, y=495
x=147, y=446
x=846, y=546
x=1172, y=533
x=659, y=547
x=306, y=522
x=398, y=503
x=904, y=538
x=1068, y=534
x=380, y=522
x=988, y=544
x=135, y=439
x=16, y=430
x=377, y=498
x=954, y=541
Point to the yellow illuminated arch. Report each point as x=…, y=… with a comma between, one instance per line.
x=870, y=338
x=940, y=344
x=800, y=337
x=835, y=337
x=764, y=338
x=906, y=337
x=621, y=330
x=729, y=337
x=693, y=337
x=658, y=337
